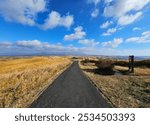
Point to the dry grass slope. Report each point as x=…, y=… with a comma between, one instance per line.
x=22, y=79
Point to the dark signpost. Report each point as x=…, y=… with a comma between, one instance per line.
x=131, y=63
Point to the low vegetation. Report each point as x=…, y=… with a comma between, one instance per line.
x=105, y=66
x=140, y=63
x=22, y=79
x=123, y=90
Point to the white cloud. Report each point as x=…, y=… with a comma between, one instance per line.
x=29, y=43
x=26, y=12
x=45, y=48
x=136, y=29
x=109, y=32
x=5, y=44
x=78, y=34
x=35, y=47
x=95, y=2
x=89, y=42
x=55, y=19
x=122, y=52
x=106, y=24
x=133, y=39
x=108, y=1
x=115, y=43
x=122, y=9
x=95, y=13
x=22, y=11
x=144, y=38
x=128, y=19
x=146, y=33
x=36, y=44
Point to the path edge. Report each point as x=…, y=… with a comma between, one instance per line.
x=99, y=90
x=49, y=84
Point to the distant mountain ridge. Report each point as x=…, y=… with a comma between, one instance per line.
x=126, y=57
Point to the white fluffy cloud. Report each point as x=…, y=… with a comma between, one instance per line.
x=122, y=9
x=95, y=13
x=22, y=11
x=36, y=44
x=55, y=19
x=144, y=38
x=109, y=32
x=136, y=29
x=29, y=43
x=5, y=44
x=106, y=24
x=26, y=12
x=34, y=47
x=88, y=42
x=44, y=48
x=113, y=44
x=128, y=19
x=78, y=34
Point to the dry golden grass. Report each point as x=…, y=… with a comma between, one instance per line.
x=138, y=71
x=123, y=90
x=21, y=80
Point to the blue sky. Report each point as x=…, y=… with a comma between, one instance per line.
x=97, y=27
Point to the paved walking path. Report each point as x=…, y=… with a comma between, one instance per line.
x=72, y=89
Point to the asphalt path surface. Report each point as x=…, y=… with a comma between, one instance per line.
x=72, y=89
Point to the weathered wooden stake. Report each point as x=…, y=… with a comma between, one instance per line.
x=131, y=63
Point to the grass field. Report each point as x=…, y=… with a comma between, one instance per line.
x=127, y=90
x=22, y=79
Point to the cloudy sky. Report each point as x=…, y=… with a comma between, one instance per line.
x=99, y=27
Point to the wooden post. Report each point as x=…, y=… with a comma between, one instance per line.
x=131, y=63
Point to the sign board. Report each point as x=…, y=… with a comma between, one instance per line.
x=131, y=63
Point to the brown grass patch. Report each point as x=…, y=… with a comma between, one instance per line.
x=138, y=71
x=124, y=90
x=22, y=79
